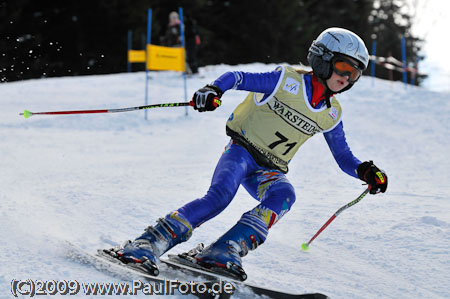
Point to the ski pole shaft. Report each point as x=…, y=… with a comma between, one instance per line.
x=305, y=246
x=27, y=113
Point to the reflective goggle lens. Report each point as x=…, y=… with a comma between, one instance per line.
x=344, y=68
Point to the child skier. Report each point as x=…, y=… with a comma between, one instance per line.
x=284, y=108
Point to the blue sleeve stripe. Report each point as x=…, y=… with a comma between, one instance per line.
x=256, y=82
x=226, y=81
x=238, y=78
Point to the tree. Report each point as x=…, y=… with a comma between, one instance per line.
x=389, y=23
x=81, y=37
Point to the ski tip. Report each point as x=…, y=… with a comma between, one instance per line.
x=26, y=113
x=305, y=247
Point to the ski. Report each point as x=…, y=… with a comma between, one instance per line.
x=205, y=283
x=105, y=263
x=179, y=262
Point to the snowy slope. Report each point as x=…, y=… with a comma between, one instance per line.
x=100, y=179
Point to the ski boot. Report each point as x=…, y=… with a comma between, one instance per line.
x=224, y=255
x=154, y=242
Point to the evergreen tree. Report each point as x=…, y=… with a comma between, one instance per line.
x=80, y=37
x=388, y=25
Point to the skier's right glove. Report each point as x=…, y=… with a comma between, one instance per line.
x=207, y=98
x=373, y=176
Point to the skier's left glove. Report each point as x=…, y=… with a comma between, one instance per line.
x=373, y=176
x=207, y=98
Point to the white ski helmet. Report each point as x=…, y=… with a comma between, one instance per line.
x=334, y=42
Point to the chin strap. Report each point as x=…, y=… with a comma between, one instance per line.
x=328, y=94
x=320, y=86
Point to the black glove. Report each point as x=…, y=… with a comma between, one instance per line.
x=373, y=176
x=207, y=98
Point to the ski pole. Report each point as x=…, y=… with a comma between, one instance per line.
x=305, y=246
x=27, y=113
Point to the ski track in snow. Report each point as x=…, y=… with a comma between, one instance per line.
x=97, y=180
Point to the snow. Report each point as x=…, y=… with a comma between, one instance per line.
x=97, y=180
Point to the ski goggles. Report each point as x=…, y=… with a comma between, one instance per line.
x=345, y=67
